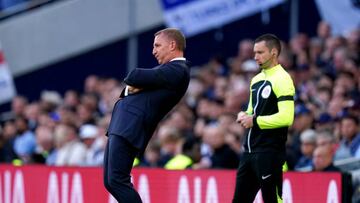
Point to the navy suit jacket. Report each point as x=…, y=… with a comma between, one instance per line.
x=136, y=116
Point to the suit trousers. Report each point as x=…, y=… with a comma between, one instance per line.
x=118, y=162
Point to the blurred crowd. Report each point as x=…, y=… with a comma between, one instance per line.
x=201, y=132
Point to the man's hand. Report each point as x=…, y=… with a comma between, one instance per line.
x=245, y=120
x=132, y=90
x=240, y=116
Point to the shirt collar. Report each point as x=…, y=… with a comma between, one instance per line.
x=178, y=58
x=271, y=70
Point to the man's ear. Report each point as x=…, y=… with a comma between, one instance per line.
x=274, y=52
x=172, y=45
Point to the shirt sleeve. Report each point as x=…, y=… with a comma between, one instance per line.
x=284, y=91
x=145, y=78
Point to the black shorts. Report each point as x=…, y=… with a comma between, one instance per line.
x=259, y=171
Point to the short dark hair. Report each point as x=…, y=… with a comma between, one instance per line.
x=271, y=41
x=176, y=35
x=351, y=117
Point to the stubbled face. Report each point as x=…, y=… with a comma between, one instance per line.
x=348, y=129
x=262, y=55
x=322, y=158
x=162, y=48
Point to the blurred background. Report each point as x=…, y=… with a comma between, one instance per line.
x=49, y=39
x=62, y=63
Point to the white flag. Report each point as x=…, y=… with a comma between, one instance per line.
x=196, y=16
x=7, y=88
x=342, y=15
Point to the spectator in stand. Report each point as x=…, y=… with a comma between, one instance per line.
x=235, y=97
x=50, y=100
x=85, y=115
x=347, y=81
x=32, y=113
x=323, y=31
x=25, y=141
x=340, y=57
x=8, y=135
x=328, y=56
x=326, y=139
x=324, y=123
x=71, y=100
x=323, y=160
x=152, y=155
x=299, y=45
x=303, y=121
x=322, y=98
x=208, y=77
x=350, y=138
x=308, y=145
x=102, y=126
x=169, y=139
x=220, y=87
x=337, y=103
x=109, y=92
x=194, y=92
x=89, y=135
x=286, y=58
x=18, y=106
x=71, y=152
x=202, y=109
x=44, y=144
x=91, y=84
x=181, y=119
x=59, y=142
x=64, y=115
x=181, y=159
x=249, y=69
x=353, y=44
x=222, y=156
x=315, y=50
x=218, y=64
x=234, y=133
x=245, y=52
x=90, y=101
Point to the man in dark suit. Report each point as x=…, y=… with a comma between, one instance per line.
x=149, y=95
